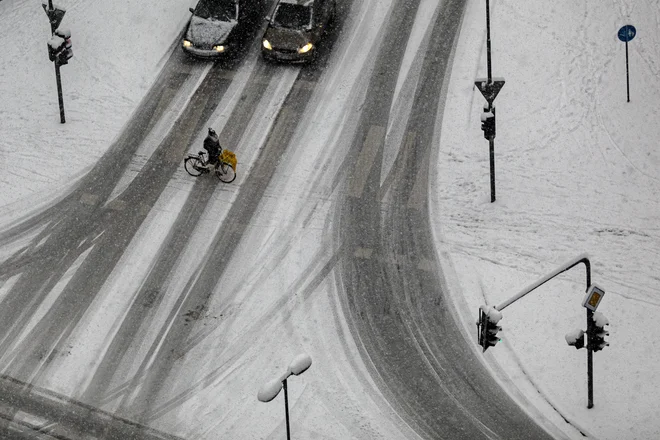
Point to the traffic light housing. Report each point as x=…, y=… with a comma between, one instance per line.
x=66, y=52
x=51, y=52
x=55, y=46
x=575, y=339
x=488, y=122
x=489, y=316
x=597, y=334
x=64, y=56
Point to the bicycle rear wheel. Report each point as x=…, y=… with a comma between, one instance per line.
x=193, y=166
x=225, y=173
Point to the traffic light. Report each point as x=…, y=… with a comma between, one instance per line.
x=491, y=332
x=489, y=316
x=575, y=339
x=55, y=46
x=65, y=52
x=51, y=52
x=597, y=336
x=488, y=122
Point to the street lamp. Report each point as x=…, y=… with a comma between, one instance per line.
x=271, y=389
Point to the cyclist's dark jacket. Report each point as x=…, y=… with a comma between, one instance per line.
x=212, y=145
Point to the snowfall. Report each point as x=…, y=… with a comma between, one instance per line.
x=576, y=172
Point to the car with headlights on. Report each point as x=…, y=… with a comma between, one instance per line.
x=214, y=27
x=295, y=29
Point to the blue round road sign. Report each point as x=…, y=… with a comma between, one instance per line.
x=627, y=33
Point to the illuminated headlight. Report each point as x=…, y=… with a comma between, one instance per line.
x=219, y=48
x=187, y=43
x=267, y=45
x=306, y=48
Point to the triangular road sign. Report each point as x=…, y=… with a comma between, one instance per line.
x=489, y=90
x=54, y=15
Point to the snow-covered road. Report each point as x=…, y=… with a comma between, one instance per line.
x=201, y=292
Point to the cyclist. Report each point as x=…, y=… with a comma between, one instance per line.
x=212, y=145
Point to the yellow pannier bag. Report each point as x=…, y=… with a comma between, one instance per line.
x=229, y=157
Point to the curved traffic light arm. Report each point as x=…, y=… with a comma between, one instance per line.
x=580, y=259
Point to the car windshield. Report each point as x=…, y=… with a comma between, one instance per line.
x=293, y=16
x=217, y=10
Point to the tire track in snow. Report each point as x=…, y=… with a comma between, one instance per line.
x=67, y=240
x=173, y=339
x=155, y=285
x=399, y=335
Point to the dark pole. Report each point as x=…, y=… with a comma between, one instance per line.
x=60, y=98
x=491, y=144
x=590, y=360
x=491, y=141
x=286, y=410
x=58, y=78
x=627, y=76
x=490, y=71
x=590, y=329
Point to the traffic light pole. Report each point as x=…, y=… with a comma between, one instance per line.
x=590, y=360
x=53, y=27
x=580, y=259
x=51, y=8
x=60, y=97
x=490, y=70
x=491, y=141
x=491, y=146
x=490, y=88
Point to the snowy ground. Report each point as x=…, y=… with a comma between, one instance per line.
x=576, y=172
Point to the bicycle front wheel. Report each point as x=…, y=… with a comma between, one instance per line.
x=225, y=173
x=193, y=166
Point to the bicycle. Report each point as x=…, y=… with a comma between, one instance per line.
x=197, y=164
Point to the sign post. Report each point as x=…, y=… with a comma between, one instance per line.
x=627, y=33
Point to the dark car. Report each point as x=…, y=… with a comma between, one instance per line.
x=213, y=28
x=295, y=28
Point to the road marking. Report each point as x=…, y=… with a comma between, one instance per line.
x=304, y=84
x=187, y=134
x=372, y=143
x=166, y=97
x=144, y=209
x=419, y=190
x=227, y=74
x=89, y=199
x=117, y=205
x=400, y=166
x=426, y=265
x=363, y=252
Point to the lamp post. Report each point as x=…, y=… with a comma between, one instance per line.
x=271, y=389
